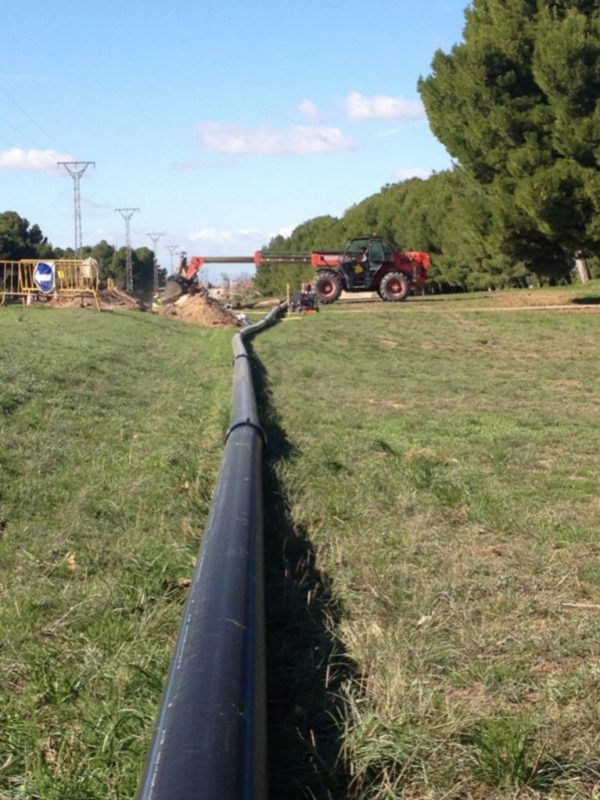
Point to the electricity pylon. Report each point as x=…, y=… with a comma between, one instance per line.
x=172, y=248
x=155, y=237
x=127, y=214
x=76, y=170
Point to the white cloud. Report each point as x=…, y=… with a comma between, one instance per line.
x=226, y=242
x=381, y=106
x=309, y=110
x=221, y=235
x=229, y=241
x=387, y=133
x=268, y=141
x=411, y=172
x=32, y=160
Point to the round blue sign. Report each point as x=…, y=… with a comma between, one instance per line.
x=44, y=276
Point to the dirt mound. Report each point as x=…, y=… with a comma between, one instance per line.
x=68, y=301
x=198, y=309
x=111, y=297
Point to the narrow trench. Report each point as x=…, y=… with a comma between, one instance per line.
x=307, y=664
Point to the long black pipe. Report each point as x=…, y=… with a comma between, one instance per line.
x=210, y=737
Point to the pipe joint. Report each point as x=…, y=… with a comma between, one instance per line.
x=247, y=423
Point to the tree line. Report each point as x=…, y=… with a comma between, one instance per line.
x=517, y=106
x=19, y=239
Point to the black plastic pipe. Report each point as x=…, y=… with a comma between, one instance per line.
x=210, y=737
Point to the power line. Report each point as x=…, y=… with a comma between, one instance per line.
x=127, y=214
x=10, y=144
x=155, y=237
x=76, y=165
x=32, y=120
x=99, y=184
x=76, y=170
x=21, y=132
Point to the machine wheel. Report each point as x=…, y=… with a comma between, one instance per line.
x=327, y=286
x=394, y=287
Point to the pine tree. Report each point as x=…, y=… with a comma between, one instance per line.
x=20, y=240
x=517, y=104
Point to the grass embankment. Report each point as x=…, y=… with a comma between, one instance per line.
x=111, y=431
x=432, y=526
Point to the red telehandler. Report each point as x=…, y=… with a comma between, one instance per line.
x=366, y=264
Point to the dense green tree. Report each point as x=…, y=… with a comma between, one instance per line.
x=448, y=215
x=143, y=269
x=104, y=253
x=361, y=219
x=319, y=233
x=517, y=104
x=142, y=266
x=20, y=240
x=272, y=280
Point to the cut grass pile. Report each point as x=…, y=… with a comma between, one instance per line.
x=432, y=529
x=111, y=429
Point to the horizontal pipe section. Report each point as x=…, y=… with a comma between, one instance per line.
x=259, y=258
x=210, y=737
x=228, y=259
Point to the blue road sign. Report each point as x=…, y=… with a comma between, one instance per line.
x=44, y=276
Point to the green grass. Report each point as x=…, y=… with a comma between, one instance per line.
x=441, y=470
x=111, y=431
x=431, y=520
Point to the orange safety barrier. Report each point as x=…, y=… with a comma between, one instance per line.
x=56, y=278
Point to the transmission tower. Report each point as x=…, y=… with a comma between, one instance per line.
x=127, y=214
x=155, y=237
x=76, y=170
x=172, y=248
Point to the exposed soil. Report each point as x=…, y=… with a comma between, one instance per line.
x=117, y=298
x=107, y=298
x=270, y=303
x=560, y=298
x=72, y=301
x=201, y=310
x=196, y=309
x=533, y=298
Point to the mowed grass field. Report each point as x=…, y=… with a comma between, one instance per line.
x=431, y=518
x=111, y=430
x=435, y=476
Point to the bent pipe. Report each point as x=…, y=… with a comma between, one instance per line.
x=210, y=737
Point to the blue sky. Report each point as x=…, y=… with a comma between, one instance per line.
x=225, y=122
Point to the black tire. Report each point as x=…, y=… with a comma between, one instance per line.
x=394, y=287
x=327, y=286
